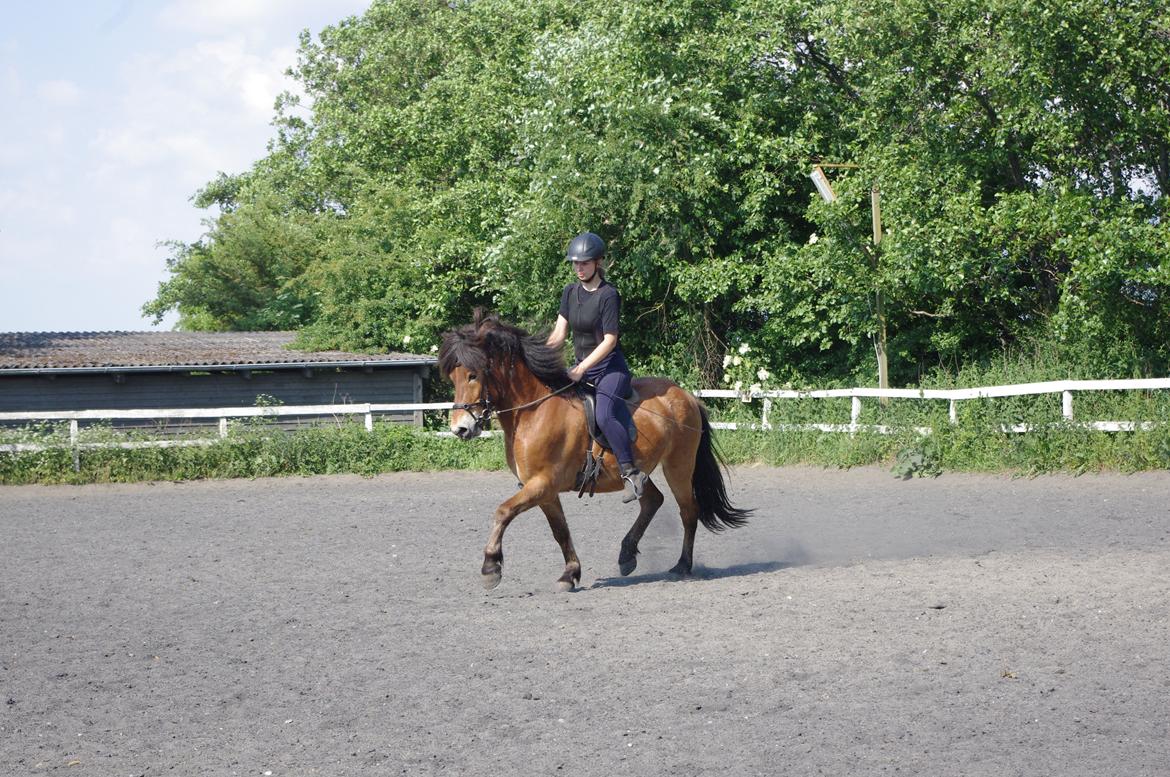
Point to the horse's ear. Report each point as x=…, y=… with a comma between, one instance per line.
x=482, y=317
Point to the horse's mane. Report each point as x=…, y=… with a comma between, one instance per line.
x=488, y=339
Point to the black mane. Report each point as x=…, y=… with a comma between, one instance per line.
x=488, y=339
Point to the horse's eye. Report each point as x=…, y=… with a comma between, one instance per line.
x=470, y=376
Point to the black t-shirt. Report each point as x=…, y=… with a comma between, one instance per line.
x=591, y=316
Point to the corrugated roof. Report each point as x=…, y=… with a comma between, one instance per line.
x=111, y=351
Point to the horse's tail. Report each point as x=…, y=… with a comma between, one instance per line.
x=715, y=511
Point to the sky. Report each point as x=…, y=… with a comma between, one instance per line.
x=113, y=113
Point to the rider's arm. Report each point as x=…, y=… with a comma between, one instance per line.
x=559, y=332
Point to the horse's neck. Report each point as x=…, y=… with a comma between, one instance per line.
x=517, y=389
x=518, y=386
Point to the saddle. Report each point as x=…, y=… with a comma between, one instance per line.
x=591, y=469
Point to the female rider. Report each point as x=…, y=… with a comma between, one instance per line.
x=590, y=308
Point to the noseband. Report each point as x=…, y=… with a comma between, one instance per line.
x=485, y=402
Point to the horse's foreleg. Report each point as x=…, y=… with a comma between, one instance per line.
x=493, y=553
x=560, y=529
x=650, y=502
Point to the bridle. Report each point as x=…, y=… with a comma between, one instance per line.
x=485, y=402
x=488, y=409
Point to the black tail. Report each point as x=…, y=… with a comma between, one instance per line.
x=715, y=512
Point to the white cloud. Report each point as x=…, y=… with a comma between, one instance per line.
x=61, y=93
x=215, y=15
x=200, y=110
x=88, y=192
x=254, y=16
x=11, y=83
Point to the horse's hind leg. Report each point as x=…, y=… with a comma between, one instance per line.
x=560, y=529
x=678, y=477
x=651, y=500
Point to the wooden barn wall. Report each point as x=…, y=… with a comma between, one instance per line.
x=220, y=389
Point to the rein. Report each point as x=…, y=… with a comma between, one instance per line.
x=489, y=409
x=538, y=400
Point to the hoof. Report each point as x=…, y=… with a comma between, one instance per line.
x=565, y=586
x=681, y=570
x=628, y=557
x=491, y=579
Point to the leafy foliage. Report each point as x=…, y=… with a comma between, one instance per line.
x=444, y=154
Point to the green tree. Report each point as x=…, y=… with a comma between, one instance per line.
x=445, y=153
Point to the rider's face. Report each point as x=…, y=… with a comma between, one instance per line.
x=585, y=270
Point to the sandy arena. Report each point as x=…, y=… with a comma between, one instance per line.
x=859, y=625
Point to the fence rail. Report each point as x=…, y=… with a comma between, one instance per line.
x=223, y=414
x=1066, y=388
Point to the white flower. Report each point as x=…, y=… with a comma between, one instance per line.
x=727, y=378
x=762, y=374
x=434, y=348
x=813, y=238
x=738, y=385
x=726, y=361
x=744, y=348
x=737, y=361
x=406, y=340
x=754, y=388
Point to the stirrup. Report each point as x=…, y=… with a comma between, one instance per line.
x=635, y=485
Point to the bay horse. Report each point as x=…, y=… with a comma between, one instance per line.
x=502, y=371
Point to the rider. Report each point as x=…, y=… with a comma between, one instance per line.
x=590, y=307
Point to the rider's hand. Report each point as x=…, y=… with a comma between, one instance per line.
x=576, y=374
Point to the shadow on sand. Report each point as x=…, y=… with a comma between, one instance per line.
x=699, y=573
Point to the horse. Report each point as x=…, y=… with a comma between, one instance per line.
x=501, y=371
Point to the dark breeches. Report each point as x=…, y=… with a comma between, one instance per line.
x=613, y=415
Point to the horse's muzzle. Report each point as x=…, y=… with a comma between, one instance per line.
x=466, y=428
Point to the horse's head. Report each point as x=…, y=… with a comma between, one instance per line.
x=486, y=360
x=464, y=359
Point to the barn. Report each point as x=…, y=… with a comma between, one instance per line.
x=54, y=371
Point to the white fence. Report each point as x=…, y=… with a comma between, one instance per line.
x=1066, y=388
x=74, y=417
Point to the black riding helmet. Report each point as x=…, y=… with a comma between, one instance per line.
x=585, y=247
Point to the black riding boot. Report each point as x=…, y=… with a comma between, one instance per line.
x=635, y=482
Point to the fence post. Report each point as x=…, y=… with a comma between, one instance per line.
x=953, y=413
x=1066, y=405
x=222, y=428
x=854, y=415
x=369, y=421
x=764, y=425
x=74, y=436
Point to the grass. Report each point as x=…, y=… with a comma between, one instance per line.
x=257, y=450
x=975, y=443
